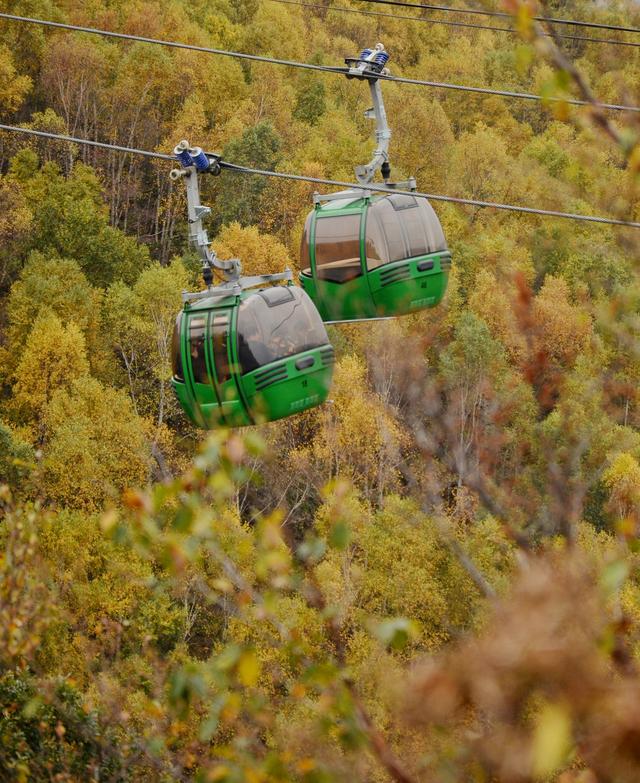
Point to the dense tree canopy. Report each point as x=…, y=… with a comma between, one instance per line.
x=432, y=577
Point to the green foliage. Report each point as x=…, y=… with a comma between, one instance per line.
x=15, y=223
x=239, y=199
x=52, y=734
x=310, y=102
x=71, y=221
x=138, y=324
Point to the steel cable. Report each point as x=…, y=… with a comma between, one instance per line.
x=491, y=28
x=503, y=15
x=313, y=67
x=331, y=182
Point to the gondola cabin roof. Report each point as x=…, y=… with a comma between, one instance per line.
x=349, y=202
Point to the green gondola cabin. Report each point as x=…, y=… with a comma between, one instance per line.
x=250, y=357
x=367, y=256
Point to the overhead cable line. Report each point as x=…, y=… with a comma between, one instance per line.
x=87, y=142
x=447, y=23
x=503, y=15
x=333, y=182
x=314, y=67
x=432, y=196
x=173, y=44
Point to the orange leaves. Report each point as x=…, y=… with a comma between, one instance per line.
x=563, y=328
x=534, y=680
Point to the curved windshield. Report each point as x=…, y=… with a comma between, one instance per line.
x=276, y=323
x=401, y=227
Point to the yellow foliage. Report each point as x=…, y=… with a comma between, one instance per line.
x=622, y=479
x=259, y=253
x=15, y=215
x=490, y=301
x=359, y=437
x=13, y=88
x=53, y=358
x=565, y=328
x=97, y=445
x=59, y=285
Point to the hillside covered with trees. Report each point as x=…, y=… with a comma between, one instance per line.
x=432, y=577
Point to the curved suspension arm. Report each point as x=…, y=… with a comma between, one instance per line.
x=195, y=161
x=369, y=66
x=366, y=173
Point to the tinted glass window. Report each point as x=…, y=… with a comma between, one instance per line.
x=338, y=248
x=176, y=358
x=305, y=258
x=220, y=336
x=196, y=348
x=400, y=202
x=271, y=327
x=412, y=220
x=375, y=247
x=400, y=227
x=382, y=217
x=432, y=228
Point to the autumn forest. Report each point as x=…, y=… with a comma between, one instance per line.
x=434, y=576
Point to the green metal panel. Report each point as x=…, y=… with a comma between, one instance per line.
x=186, y=401
x=401, y=288
x=292, y=389
x=189, y=386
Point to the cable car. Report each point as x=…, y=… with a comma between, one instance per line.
x=246, y=351
x=257, y=356
x=365, y=255
x=373, y=256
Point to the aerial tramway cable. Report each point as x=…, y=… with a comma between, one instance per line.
x=448, y=23
x=332, y=182
x=504, y=15
x=314, y=67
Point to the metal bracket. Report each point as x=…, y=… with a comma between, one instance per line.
x=235, y=287
x=341, y=195
x=369, y=66
x=195, y=161
x=405, y=184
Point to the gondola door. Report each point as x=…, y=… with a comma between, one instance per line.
x=336, y=264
